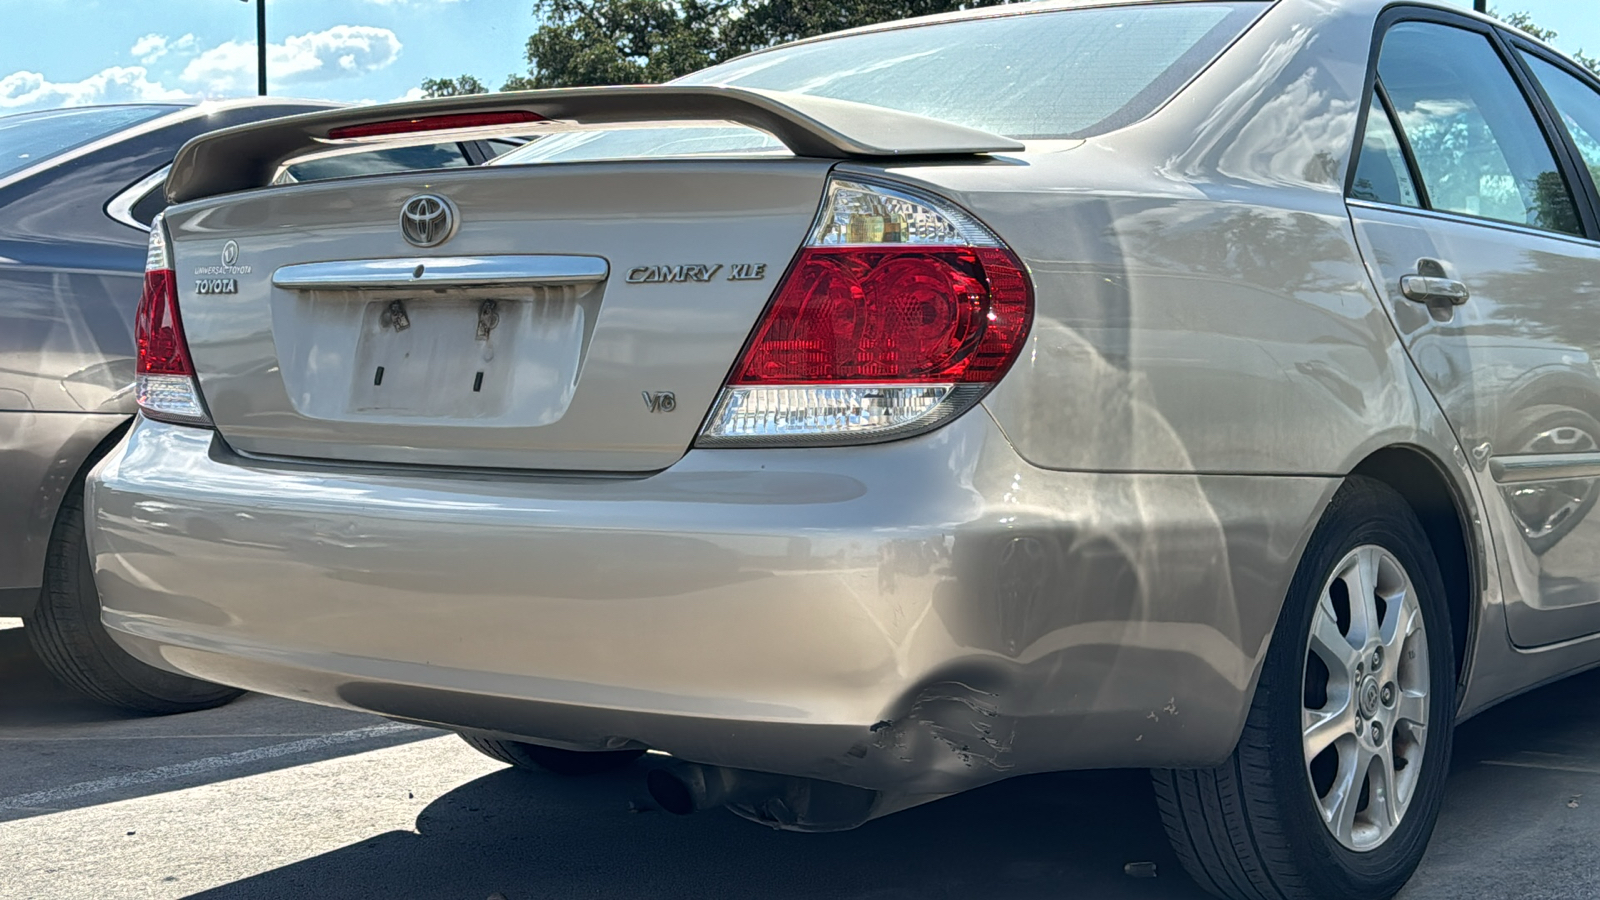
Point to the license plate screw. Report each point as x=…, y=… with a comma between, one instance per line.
x=488, y=318
x=395, y=317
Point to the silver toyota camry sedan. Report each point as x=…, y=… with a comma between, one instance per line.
x=1208, y=387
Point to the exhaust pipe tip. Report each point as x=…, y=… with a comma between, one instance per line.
x=778, y=801
x=673, y=791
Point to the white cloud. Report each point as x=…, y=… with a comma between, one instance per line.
x=415, y=93
x=152, y=47
x=342, y=51
x=149, y=48
x=25, y=90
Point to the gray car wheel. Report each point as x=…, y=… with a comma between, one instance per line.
x=1335, y=785
x=552, y=759
x=67, y=635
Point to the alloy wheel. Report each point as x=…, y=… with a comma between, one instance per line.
x=1364, y=721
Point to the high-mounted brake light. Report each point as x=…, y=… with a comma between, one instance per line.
x=164, y=379
x=433, y=123
x=900, y=312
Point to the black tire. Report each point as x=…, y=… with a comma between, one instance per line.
x=552, y=759
x=66, y=633
x=1248, y=829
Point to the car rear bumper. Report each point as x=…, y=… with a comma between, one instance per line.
x=921, y=616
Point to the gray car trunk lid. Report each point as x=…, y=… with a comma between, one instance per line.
x=652, y=275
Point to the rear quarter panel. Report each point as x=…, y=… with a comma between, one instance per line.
x=1202, y=303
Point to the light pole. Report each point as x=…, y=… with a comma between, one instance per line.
x=261, y=46
x=1481, y=5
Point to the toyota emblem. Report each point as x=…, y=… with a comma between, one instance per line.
x=427, y=220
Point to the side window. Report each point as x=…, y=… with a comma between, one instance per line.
x=145, y=210
x=1578, y=105
x=1382, y=175
x=1478, y=147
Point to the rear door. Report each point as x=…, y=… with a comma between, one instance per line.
x=1480, y=230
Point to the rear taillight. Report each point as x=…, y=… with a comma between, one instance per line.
x=450, y=122
x=899, y=314
x=164, y=375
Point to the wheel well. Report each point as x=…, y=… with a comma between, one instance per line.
x=1421, y=480
x=98, y=453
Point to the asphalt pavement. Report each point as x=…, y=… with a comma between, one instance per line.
x=268, y=798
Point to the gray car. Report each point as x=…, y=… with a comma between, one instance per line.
x=1206, y=387
x=79, y=189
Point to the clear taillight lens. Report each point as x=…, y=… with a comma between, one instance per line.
x=165, y=385
x=898, y=314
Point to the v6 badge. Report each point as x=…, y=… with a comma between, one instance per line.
x=660, y=401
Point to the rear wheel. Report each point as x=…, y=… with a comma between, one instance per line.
x=552, y=759
x=67, y=635
x=1335, y=785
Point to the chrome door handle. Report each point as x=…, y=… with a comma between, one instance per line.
x=1432, y=286
x=1434, y=291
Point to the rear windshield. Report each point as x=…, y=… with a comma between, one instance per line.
x=373, y=162
x=27, y=138
x=1057, y=74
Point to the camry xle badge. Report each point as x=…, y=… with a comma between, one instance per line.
x=695, y=272
x=427, y=220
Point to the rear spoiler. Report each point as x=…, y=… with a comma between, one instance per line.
x=250, y=156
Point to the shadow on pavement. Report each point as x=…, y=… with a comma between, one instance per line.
x=61, y=750
x=1523, y=805
x=32, y=696
x=530, y=835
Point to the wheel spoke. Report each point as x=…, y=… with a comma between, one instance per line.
x=1408, y=618
x=1412, y=708
x=1333, y=647
x=1364, y=597
x=1383, y=807
x=1339, y=810
x=1322, y=727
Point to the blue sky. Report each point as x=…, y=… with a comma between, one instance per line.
x=70, y=52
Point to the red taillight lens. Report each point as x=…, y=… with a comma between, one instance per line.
x=434, y=123
x=892, y=314
x=900, y=312
x=165, y=386
x=158, y=330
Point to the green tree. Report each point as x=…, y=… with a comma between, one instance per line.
x=1524, y=23
x=587, y=42
x=453, y=87
x=583, y=42
x=763, y=23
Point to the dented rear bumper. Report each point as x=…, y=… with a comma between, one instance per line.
x=917, y=617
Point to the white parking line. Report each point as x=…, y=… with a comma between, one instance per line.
x=1549, y=767
x=53, y=796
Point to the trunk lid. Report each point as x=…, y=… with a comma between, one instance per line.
x=574, y=317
